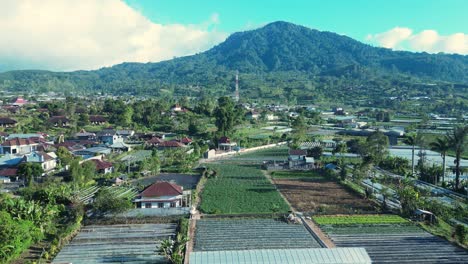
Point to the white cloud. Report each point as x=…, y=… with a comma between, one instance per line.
x=426, y=40
x=89, y=34
x=391, y=38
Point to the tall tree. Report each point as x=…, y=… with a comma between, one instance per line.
x=376, y=146
x=29, y=171
x=457, y=141
x=441, y=145
x=410, y=139
x=225, y=115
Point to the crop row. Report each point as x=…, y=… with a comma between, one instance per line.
x=359, y=219
x=240, y=189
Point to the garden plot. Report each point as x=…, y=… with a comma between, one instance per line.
x=248, y=234
x=317, y=194
x=240, y=189
x=117, y=244
x=390, y=239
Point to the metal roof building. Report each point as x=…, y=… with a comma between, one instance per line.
x=283, y=256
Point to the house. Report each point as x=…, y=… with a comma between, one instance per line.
x=186, y=141
x=48, y=161
x=4, y=179
x=125, y=133
x=7, y=122
x=297, y=154
x=252, y=115
x=38, y=136
x=109, y=136
x=170, y=145
x=18, y=101
x=91, y=152
x=6, y=174
x=155, y=141
x=120, y=147
x=102, y=166
x=160, y=195
x=19, y=145
x=224, y=143
x=178, y=108
x=97, y=120
x=117, y=181
x=83, y=135
x=59, y=121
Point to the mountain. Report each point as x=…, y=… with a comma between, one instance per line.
x=267, y=58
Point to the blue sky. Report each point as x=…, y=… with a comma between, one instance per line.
x=66, y=35
x=355, y=18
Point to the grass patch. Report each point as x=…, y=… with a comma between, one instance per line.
x=442, y=229
x=359, y=219
x=240, y=189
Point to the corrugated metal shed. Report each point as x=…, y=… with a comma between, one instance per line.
x=283, y=256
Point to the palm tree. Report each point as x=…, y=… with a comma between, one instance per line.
x=411, y=139
x=457, y=141
x=441, y=145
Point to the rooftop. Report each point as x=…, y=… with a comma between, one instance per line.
x=284, y=256
x=162, y=189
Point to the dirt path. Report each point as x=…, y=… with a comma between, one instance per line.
x=320, y=234
x=268, y=176
x=193, y=221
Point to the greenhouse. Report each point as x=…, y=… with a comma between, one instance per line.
x=283, y=256
x=117, y=244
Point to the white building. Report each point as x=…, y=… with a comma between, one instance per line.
x=160, y=195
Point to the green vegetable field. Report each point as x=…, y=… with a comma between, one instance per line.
x=359, y=219
x=240, y=189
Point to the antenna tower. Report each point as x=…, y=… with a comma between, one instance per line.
x=237, y=87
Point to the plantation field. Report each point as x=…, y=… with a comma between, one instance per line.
x=275, y=153
x=248, y=234
x=317, y=194
x=390, y=239
x=359, y=219
x=240, y=189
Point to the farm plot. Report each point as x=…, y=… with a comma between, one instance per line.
x=390, y=239
x=240, y=189
x=275, y=153
x=247, y=234
x=117, y=244
x=317, y=194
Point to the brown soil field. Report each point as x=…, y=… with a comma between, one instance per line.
x=321, y=196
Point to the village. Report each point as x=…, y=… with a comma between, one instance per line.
x=103, y=166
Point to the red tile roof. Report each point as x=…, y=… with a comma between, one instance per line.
x=186, y=140
x=20, y=142
x=9, y=172
x=97, y=118
x=162, y=189
x=154, y=141
x=56, y=119
x=101, y=164
x=224, y=140
x=171, y=144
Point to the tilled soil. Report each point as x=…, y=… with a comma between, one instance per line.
x=322, y=197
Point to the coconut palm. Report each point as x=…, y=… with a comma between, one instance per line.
x=457, y=141
x=441, y=145
x=411, y=139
